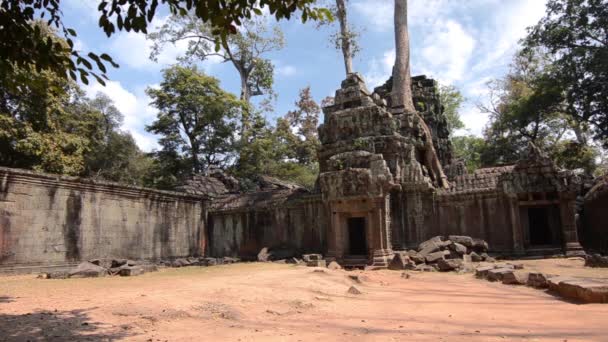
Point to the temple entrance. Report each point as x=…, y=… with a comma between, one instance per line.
x=539, y=227
x=356, y=236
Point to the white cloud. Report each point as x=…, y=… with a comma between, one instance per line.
x=446, y=51
x=135, y=108
x=286, y=70
x=380, y=69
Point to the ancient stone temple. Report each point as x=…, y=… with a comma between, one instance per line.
x=387, y=182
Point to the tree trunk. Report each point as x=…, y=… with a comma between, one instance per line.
x=245, y=97
x=345, y=36
x=402, y=82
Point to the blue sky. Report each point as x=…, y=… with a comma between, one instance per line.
x=461, y=42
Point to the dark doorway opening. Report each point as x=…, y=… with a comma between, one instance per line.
x=356, y=236
x=539, y=227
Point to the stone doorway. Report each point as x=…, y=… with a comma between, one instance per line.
x=357, y=239
x=542, y=226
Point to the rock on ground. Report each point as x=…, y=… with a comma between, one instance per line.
x=334, y=266
x=515, y=278
x=449, y=265
x=88, y=270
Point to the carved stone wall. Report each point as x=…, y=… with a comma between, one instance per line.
x=48, y=220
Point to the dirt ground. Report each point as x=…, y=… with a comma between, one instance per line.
x=273, y=302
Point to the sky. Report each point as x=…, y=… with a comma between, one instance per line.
x=464, y=43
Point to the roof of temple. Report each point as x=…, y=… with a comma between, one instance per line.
x=482, y=179
x=257, y=200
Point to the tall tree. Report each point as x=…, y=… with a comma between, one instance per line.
x=196, y=118
x=402, y=79
x=574, y=33
x=23, y=44
x=401, y=95
x=346, y=38
x=451, y=98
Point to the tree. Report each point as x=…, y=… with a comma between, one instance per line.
x=401, y=95
x=196, y=118
x=42, y=125
x=527, y=106
x=451, y=98
x=346, y=38
x=22, y=44
x=470, y=149
x=304, y=121
x=574, y=33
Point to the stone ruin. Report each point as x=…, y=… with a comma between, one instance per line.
x=388, y=181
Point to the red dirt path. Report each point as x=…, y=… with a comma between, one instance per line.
x=271, y=302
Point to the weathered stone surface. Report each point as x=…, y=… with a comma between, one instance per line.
x=181, y=262
x=466, y=241
x=401, y=261
x=596, y=260
x=415, y=256
x=118, y=262
x=334, y=266
x=449, y=265
x=316, y=263
x=209, y=262
x=458, y=248
x=148, y=267
x=475, y=257
x=55, y=275
x=538, y=280
x=585, y=290
x=425, y=268
x=264, y=255
x=311, y=257
x=480, y=246
x=498, y=273
x=515, y=278
x=88, y=270
x=434, y=257
x=433, y=244
x=482, y=271
x=128, y=271
x=354, y=291
x=553, y=282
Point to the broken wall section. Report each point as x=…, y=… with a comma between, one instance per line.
x=51, y=220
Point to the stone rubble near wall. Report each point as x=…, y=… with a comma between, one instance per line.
x=585, y=290
x=596, y=260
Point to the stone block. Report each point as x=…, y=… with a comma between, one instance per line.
x=401, y=261
x=316, y=263
x=87, y=270
x=538, y=280
x=311, y=257
x=585, y=290
x=430, y=243
x=449, y=265
x=415, y=256
x=515, y=278
x=334, y=266
x=553, y=282
x=434, y=257
x=475, y=257
x=129, y=271
x=497, y=274
x=466, y=241
x=458, y=248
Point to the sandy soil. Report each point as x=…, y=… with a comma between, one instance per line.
x=272, y=302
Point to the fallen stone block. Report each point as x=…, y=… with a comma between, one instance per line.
x=416, y=257
x=553, y=282
x=209, y=262
x=353, y=290
x=264, y=255
x=149, y=267
x=118, y=262
x=487, y=258
x=316, y=263
x=88, y=270
x=466, y=241
x=480, y=246
x=498, y=273
x=430, y=243
x=401, y=261
x=230, y=260
x=129, y=271
x=475, y=257
x=596, y=260
x=449, y=265
x=434, y=257
x=537, y=280
x=585, y=290
x=311, y=257
x=54, y=275
x=425, y=268
x=180, y=263
x=515, y=278
x=334, y=266
x=458, y=248
x=482, y=271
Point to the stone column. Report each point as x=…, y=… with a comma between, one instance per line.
x=567, y=209
x=516, y=229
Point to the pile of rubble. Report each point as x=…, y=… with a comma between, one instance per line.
x=587, y=290
x=596, y=260
x=124, y=267
x=452, y=253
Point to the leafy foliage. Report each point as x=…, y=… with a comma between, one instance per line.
x=574, y=34
x=196, y=120
x=451, y=98
x=23, y=45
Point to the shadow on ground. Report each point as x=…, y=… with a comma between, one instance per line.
x=74, y=325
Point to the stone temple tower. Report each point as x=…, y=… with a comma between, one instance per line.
x=372, y=160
